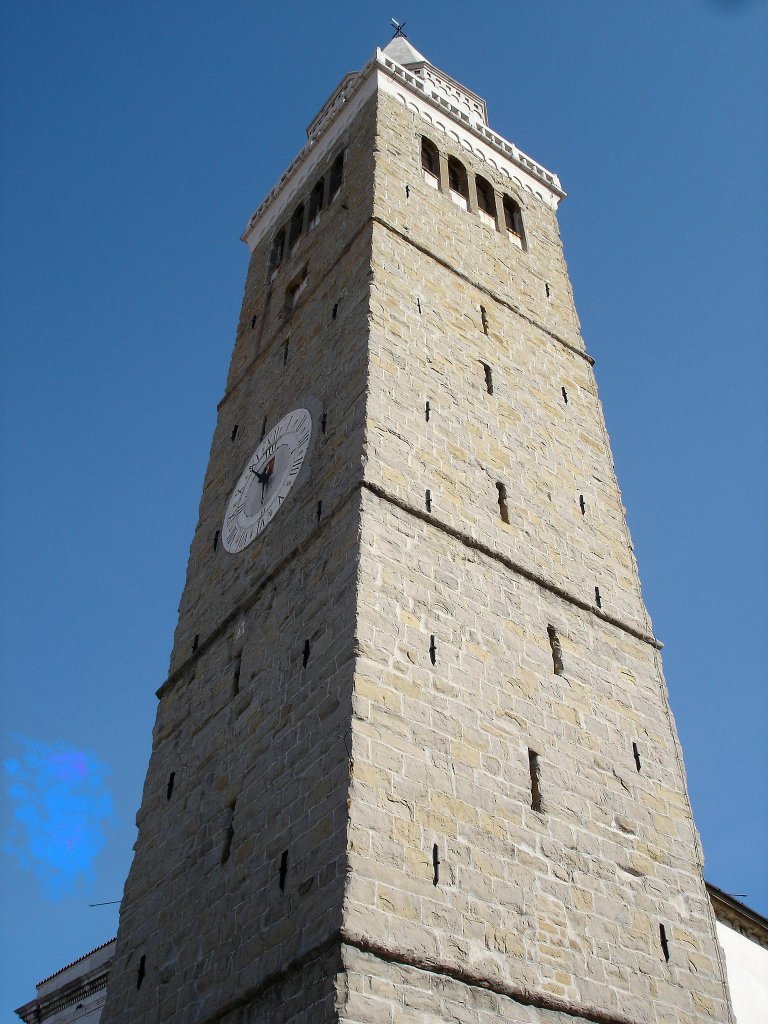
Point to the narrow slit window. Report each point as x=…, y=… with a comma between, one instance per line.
x=297, y=226
x=598, y=598
x=215, y=540
x=435, y=864
x=502, y=499
x=141, y=972
x=324, y=421
x=336, y=177
x=636, y=755
x=283, y=870
x=582, y=505
x=547, y=289
x=196, y=642
x=254, y=318
x=664, y=942
x=237, y=669
x=418, y=304
x=484, y=319
x=457, y=183
x=233, y=435
x=229, y=834
x=335, y=311
x=430, y=163
x=319, y=510
x=427, y=411
x=513, y=220
x=486, y=202
x=305, y=654
x=286, y=343
x=169, y=788
x=557, y=650
x=488, y=377
x=432, y=649
x=428, y=500
x=535, y=772
x=565, y=395
x=315, y=204
x=407, y=191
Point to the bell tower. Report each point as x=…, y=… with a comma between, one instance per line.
x=414, y=759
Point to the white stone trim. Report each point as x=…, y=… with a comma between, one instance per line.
x=417, y=95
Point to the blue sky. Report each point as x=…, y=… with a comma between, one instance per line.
x=137, y=140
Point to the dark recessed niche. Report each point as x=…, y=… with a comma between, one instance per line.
x=534, y=769
x=141, y=972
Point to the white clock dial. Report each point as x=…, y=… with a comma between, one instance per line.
x=267, y=479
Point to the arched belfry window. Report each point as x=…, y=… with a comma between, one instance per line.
x=486, y=201
x=335, y=177
x=276, y=252
x=297, y=226
x=513, y=220
x=430, y=163
x=316, y=203
x=457, y=182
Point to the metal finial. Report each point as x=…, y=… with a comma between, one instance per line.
x=398, y=27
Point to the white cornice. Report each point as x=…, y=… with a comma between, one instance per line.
x=418, y=94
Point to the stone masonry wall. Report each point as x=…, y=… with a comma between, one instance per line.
x=428, y=345
x=556, y=886
x=566, y=900
x=326, y=359
x=250, y=750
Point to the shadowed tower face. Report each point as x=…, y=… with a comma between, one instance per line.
x=413, y=760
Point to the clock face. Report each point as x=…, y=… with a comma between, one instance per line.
x=266, y=481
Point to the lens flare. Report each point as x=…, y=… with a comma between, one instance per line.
x=61, y=806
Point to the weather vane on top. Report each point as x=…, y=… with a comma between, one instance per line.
x=398, y=27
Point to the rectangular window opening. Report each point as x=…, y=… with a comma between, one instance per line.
x=319, y=510
x=324, y=421
x=598, y=598
x=335, y=311
x=428, y=500
x=488, y=377
x=229, y=834
x=582, y=505
x=484, y=319
x=435, y=865
x=565, y=395
x=636, y=755
x=169, y=788
x=233, y=435
x=535, y=772
x=557, y=650
x=432, y=649
x=236, y=675
x=305, y=656
x=502, y=499
x=427, y=411
x=196, y=642
x=215, y=540
x=664, y=942
x=141, y=971
x=283, y=869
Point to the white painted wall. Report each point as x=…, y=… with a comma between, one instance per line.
x=747, y=964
